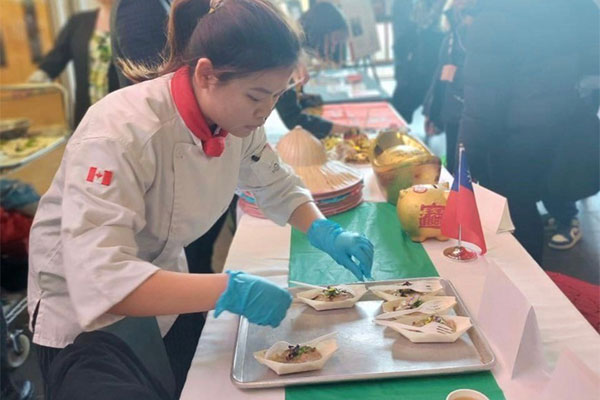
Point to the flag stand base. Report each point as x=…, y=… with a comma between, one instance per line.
x=460, y=253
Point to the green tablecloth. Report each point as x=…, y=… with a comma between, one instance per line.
x=396, y=256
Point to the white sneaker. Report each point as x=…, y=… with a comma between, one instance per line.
x=565, y=239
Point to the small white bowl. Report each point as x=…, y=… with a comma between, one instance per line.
x=466, y=394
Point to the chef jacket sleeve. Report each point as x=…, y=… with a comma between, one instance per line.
x=277, y=190
x=102, y=210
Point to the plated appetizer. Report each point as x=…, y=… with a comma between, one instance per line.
x=423, y=304
x=332, y=297
x=297, y=354
x=408, y=289
x=429, y=329
x=333, y=293
x=435, y=318
x=285, y=358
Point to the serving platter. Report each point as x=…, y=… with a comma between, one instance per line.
x=365, y=350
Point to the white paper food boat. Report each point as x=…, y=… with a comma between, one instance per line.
x=431, y=287
x=389, y=306
x=462, y=325
x=326, y=345
x=306, y=297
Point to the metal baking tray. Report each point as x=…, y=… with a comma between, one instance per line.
x=365, y=350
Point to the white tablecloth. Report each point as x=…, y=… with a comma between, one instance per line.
x=263, y=248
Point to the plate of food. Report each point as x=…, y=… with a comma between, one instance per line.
x=408, y=288
x=287, y=358
x=365, y=350
x=332, y=297
x=351, y=150
x=418, y=303
x=13, y=128
x=429, y=328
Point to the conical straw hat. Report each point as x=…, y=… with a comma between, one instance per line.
x=307, y=156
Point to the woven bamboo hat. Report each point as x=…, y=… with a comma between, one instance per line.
x=307, y=156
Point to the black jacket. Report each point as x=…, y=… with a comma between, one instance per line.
x=444, y=101
x=292, y=113
x=73, y=44
x=524, y=62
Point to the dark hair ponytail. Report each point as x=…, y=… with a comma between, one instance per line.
x=238, y=36
x=182, y=23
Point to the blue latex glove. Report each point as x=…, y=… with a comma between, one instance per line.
x=259, y=300
x=349, y=249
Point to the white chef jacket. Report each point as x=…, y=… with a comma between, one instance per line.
x=134, y=187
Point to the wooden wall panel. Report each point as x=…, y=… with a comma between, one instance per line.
x=18, y=61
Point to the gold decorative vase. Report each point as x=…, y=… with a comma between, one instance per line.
x=400, y=161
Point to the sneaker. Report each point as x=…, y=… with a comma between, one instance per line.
x=575, y=222
x=549, y=223
x=565, y=238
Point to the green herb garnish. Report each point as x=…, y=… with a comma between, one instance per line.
x=297, y=350
x=332, y=292
x=416, y=304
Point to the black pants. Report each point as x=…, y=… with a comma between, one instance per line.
x=180, y=343
x=407, y=98
x=199, y=253
x=563, y=211
x=529, y=229
x=101, y=366
x=516, y=166
x=451, y=148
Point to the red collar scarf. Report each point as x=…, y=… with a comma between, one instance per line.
x=187, y=105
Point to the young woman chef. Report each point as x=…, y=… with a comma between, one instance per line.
x=152, y=166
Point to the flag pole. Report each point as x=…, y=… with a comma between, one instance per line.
x=460, y=252
x=461, y=148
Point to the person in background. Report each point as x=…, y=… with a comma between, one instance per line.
x=138, y=33
x=85, y=40
x=417, y=38
x=326, y=35
x=444, y=101
x=561, y=219
x=521, y=100
x=150, y=168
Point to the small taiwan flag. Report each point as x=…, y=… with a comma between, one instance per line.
x=101, y=176
x=461, y=217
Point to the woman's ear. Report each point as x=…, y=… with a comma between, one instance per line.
x=204, y=73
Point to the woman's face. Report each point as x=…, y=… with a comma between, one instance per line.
x=240, y=105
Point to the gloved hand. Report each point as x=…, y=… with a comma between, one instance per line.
x=259, y=300
x=342, y=246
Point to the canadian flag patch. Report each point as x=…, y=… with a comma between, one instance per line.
x=99, y=176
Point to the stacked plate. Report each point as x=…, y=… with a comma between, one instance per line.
x=329, y=205
x=335, y=186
